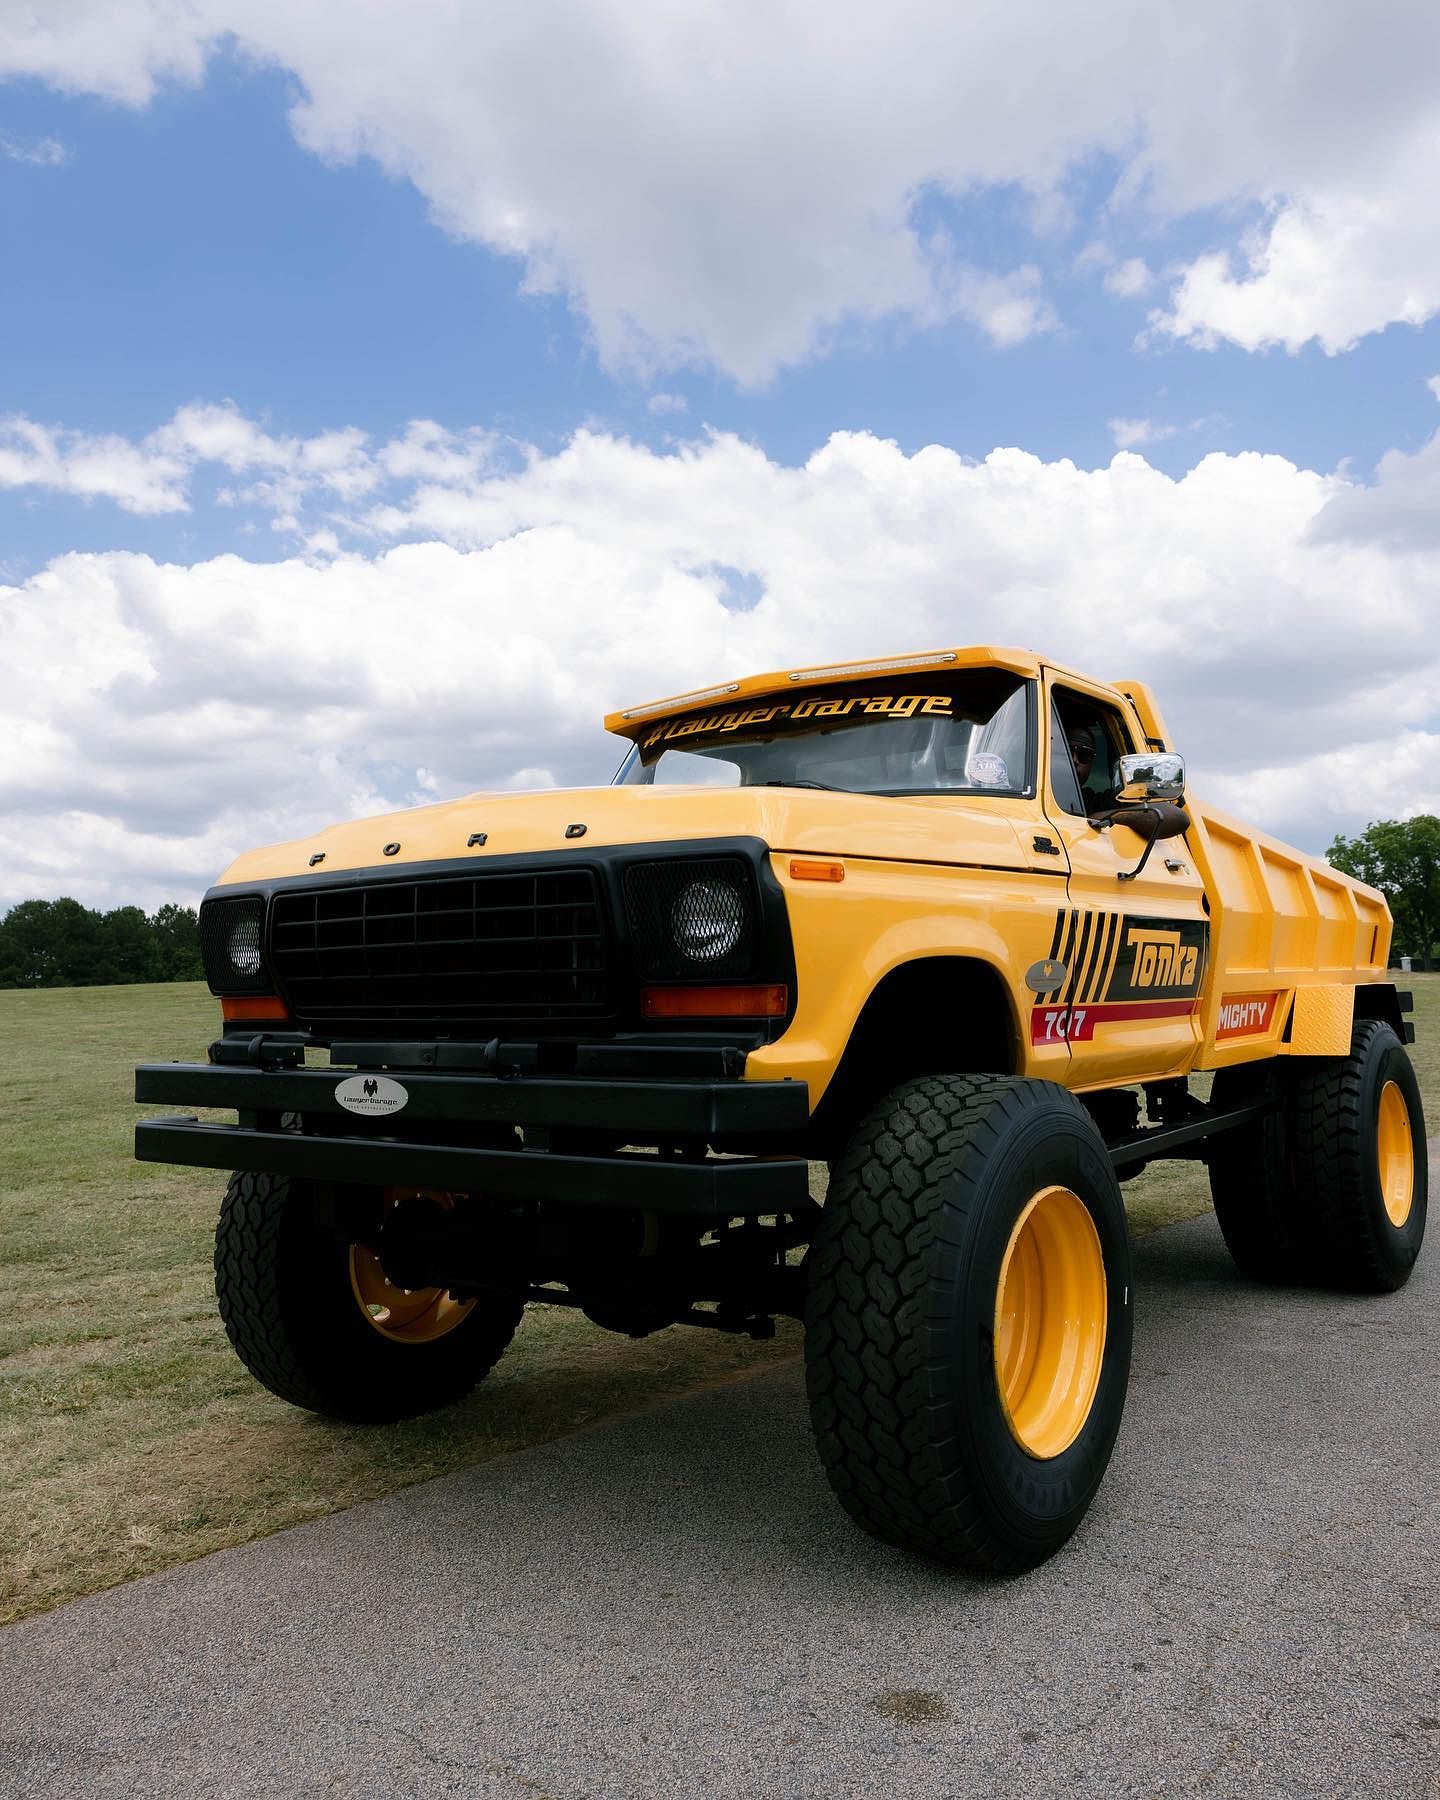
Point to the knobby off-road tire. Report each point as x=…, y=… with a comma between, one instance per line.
x=1360, y=1156
x=1263, y=1217
x=954, y=1190
x=294, y=1303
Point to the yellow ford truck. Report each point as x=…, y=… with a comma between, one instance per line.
x=947, y=923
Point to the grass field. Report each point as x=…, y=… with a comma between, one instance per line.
x=132, y=1438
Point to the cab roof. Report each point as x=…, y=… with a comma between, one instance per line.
x=779, y=681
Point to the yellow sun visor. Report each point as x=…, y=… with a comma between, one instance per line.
x=733, y=695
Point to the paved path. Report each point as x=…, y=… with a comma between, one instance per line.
x=671, y=1604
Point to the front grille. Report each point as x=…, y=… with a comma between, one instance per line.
x=454, y=953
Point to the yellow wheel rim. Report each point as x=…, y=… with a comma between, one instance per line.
x=1395, y=1149
x=405, y=1315
x=1050, y=1322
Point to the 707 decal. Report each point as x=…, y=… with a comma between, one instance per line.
x=1049, y=1024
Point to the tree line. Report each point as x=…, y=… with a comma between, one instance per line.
x=1401, y=857
x=60, y=943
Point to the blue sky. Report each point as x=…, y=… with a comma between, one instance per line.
x=636, y=323
x=192, y=250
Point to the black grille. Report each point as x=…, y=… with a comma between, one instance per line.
x=667, y=902
x=463, y=952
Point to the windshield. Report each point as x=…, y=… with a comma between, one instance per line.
x=970, y=732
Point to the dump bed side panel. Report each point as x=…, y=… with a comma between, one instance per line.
x=1290, y=938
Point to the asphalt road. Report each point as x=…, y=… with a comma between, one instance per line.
x=672, y=1604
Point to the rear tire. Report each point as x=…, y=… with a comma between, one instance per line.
x=308, y=1313
x=1360, y=1155
x=1252, y=1179
x=947, y=1416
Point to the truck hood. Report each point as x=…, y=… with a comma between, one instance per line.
x=923, y=829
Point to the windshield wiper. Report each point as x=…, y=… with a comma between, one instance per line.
x=796, y=781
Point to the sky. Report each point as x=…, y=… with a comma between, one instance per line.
x=386, y=394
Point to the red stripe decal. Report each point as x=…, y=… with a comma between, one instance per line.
x=1076, y=1024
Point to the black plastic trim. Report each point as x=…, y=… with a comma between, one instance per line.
x=643, y=1111
x=714, y=1189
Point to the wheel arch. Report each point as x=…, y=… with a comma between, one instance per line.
x=1381, y=1000
x=928, y=1015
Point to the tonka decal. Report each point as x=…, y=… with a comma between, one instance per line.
x=1114, y=966
x=1118, y=956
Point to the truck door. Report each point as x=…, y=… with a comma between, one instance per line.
x=1134, y=951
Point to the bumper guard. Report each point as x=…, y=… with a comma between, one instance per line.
x=633, y=1111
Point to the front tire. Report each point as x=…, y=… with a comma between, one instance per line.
x=318, y=1323
x=1360, y=1152
x=968, y=1322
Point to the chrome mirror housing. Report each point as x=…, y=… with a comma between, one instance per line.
x=1155, y=775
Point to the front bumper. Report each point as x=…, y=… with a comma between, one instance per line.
x=320, y=1140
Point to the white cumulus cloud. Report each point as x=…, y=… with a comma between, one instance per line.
x=738, y=186
x=1129, y=278
x=161, y=717
x=40, y=153
x=1400, y=509
x=284, y=476
x=1130, y=434
x=1328, y=268
x=141, y=478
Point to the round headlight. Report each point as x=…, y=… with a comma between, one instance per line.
x=243, y=946
x=708, y=920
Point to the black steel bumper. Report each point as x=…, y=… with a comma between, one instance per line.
x=642, y=1112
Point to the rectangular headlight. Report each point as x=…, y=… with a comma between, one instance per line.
x=232, y=946
x=693, y=916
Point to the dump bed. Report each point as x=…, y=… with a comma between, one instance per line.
x=1284, y=927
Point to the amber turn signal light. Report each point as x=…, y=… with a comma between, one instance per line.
x=715, y=1002
x=269, y=1008
x=800, y=870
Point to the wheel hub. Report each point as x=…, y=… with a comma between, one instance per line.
x=405, y=1315
x=1395, y=1152
x=1050, y=1308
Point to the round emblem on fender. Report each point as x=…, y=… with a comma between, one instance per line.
x=1041, y=977
x=372, y=1096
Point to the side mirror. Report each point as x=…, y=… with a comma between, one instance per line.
x=1155, y=775
x=1152, y=821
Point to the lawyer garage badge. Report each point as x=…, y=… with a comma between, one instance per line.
x=371, y=1096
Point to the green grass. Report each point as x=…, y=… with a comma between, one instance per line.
x=132, y=1438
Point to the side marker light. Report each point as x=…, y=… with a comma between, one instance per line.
x=768, y=1002
x=269, y=1007
x=800, y=870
